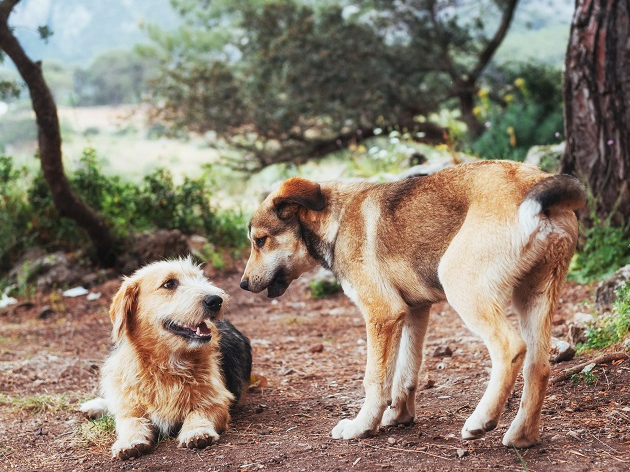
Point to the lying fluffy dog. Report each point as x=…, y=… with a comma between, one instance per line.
x=475, y=235
x=173, y=366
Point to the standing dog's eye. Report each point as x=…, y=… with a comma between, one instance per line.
x=170, y=284
x=260, y=242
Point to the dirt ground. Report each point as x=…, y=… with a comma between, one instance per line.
x=310, y=355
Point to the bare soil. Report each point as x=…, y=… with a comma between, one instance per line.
x=309, y=356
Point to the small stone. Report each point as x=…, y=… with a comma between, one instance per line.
x=46, y=312
x=573, y=434
x=316, y=348
x=566, y=352
x=443, y=351
x=461, y=453
x=588, y=368
x=391, y=440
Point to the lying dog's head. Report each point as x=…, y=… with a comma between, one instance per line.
x=279, y=253
x=168, y=303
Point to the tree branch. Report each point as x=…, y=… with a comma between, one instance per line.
x=495, y=42
x=603, y=359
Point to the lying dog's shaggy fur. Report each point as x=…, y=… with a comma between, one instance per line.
x=173, y=366
x=474, y=234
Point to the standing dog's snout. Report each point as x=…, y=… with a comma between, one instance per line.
x=245, y=284
x=213, y=303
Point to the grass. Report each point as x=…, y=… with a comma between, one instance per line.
x=521, y=460
x=98, y=432
x=324, y=288
x=613, y=327
x=38, y=403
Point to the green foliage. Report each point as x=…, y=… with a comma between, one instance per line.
x=588, y=377
x=113, y=78
x=522, y=107
x=40, y=403
x=28, y=215
x=606, y=249
x=288, y=80
x=613, y=327
x=324, y=288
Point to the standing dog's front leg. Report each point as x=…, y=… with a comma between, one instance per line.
x=383, y=339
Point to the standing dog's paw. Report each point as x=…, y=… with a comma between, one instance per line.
x=124, y=450
x=350, y=429
x=198, y=438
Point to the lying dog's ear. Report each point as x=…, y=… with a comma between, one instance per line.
x=295, y=192
x=123, y=309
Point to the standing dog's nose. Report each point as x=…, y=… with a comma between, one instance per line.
x=245, y=284
x=213, y=303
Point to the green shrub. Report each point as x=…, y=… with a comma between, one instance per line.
x=613, y=327
x=606, y=249
x=28, y=215
x=524, y=109
x=324, y=288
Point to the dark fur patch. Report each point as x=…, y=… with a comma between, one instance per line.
x=399, y=192
x=317, y=248
x=236, y=358
x=558, y=189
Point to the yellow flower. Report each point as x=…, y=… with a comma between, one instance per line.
x=520, y=83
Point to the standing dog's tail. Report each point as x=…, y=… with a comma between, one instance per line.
x=558, y=191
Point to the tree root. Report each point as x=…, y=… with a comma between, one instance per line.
x=603, y=359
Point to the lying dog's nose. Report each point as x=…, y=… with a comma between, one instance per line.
x=245, y=284
x=213, y=302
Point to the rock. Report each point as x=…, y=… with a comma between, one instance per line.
x=143, y=248
x=605, y=293
x=546, y=158
x=391, y=440
x=577, y=328
x=461, y=453
x=443, y=351
x=46, y=312
x=47, y=270
x=316, y=348
x=563, y=351
x=427, y=383
x=75, y=292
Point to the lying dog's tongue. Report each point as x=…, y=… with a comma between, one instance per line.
x=203, y=330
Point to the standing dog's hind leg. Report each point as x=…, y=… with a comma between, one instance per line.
x=383, y=338
x=535, y=301
x=403, y=407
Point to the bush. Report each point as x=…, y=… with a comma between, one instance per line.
x=614, y=327
x=524, y=109
x=606, y=249
x=28, y=215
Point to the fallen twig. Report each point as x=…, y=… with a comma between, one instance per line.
x=603, y=359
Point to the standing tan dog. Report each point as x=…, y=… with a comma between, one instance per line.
x=473, y=234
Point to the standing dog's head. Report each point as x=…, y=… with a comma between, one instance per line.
x=169, y=305
x=279, y=254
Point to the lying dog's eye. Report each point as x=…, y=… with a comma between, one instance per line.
x=260, y=242
x=170, y=284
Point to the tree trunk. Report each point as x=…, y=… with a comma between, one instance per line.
x=49, y=139
x=597, y=105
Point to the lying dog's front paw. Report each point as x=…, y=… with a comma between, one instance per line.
x=93, y=409
x=350, y=429
x=198, y=438
x=124, y=450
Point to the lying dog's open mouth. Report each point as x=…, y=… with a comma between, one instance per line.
x=200, y=332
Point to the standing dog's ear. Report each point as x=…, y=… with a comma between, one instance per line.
x=123, y=309
x=298, y=191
